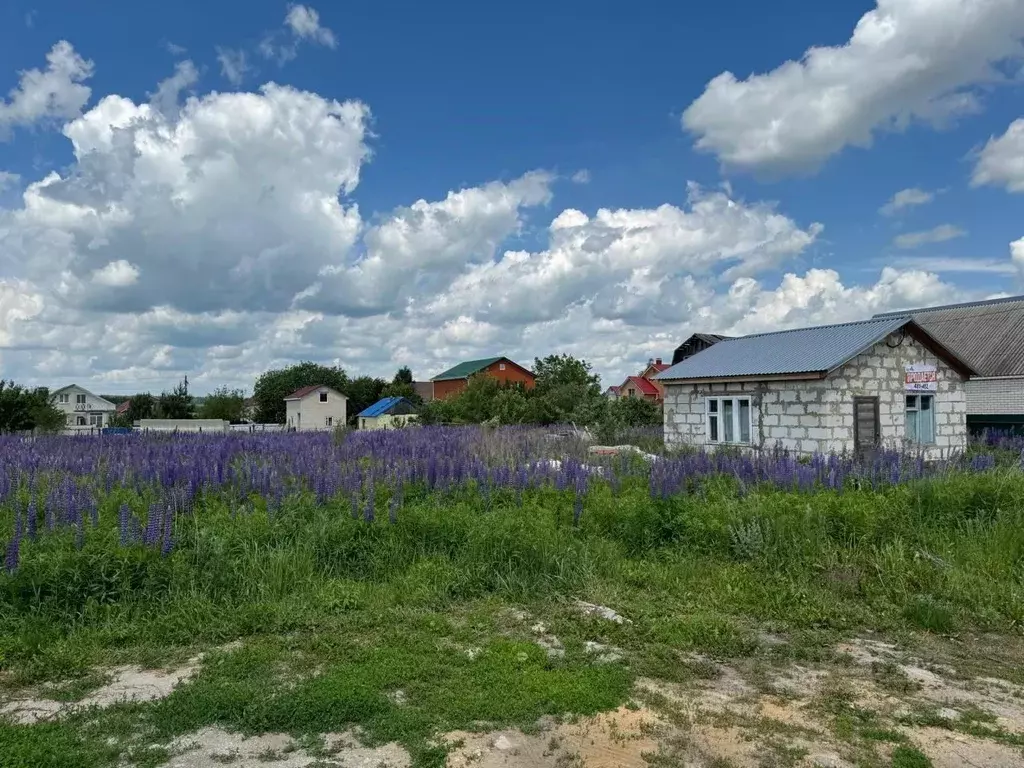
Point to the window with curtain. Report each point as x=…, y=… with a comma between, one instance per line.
x=727, y=420
x=920, y=429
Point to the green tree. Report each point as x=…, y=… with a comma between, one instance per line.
x=142, y=406
x=363, y=392
x=23, y=409
x=176, y=404
x=567, y=391
x=224, y=403
x=401, y=386
x=273, y=387
x=403, y=376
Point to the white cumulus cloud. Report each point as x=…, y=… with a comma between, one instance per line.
x=906, y=60
x=57, y=92
x=1001, y=160
x=219, y=234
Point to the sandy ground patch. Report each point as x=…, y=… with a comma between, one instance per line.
x=128, y=683
x=213, y=747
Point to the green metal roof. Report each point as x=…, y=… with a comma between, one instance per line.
x=466, y=369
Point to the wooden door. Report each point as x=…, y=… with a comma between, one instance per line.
x=865, y=425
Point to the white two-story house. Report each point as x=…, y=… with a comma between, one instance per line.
x=83, y=409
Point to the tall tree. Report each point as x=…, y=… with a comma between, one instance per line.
x=401, y=386
x=567, y=391
x=142, y=406
x=23, y=409
x=274, y=386
x=224, y=403
x=362, y=393
x=176, y=404
x=403, y=376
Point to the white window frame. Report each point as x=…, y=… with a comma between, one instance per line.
x=919, y=397
x=501, y=366
x=79, y=399
x=329, y=421
x=64, y=398
x=323, y=397
x=719, y=400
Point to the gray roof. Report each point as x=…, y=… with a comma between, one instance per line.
x=812, y=351
x=987, y=335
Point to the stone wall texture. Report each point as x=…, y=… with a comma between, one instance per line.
x=817, y=416
x=995, y=396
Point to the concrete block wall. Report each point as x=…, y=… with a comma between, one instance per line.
x=995, y=396
x=817, y=415
x=880, y=372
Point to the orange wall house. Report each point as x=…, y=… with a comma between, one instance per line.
x=454, y=380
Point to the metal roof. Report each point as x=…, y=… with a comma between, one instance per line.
x=381, y=407
x=987, y=335
x=466, y=369
x=815, y=350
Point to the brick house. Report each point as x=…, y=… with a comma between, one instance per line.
x=645, y=384
x=989, y=335
x=453, y=381
x=837, y=388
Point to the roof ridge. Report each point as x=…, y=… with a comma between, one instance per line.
x=962, y=305
x=876, y=319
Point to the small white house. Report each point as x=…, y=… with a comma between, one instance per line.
x=315, y=408
x=846, y=388
x=83, y=409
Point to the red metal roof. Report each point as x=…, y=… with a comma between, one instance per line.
x=643, y=385
x=298, y=394
x=123, y=407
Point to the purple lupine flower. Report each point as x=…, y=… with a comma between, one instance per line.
x=124, y=515
x=31, y=519
x=13, y=555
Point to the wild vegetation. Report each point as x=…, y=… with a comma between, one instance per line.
x=354, y=567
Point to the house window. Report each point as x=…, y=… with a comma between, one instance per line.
x=329, y=421
x=64, y=398
x=727, y=420
x=323, y=397
x=81, y=421
x=501, y=366
x=921, y=419
x=95, y=419
x=80, y=399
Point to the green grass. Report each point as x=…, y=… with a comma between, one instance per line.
x=338, y=614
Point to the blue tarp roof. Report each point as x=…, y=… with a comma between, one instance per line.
x=381, y=407
x=803, y=350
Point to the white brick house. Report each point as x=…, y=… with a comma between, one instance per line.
x=989, y=336
x=839, y=388
x=315, y=407
x=83, y=409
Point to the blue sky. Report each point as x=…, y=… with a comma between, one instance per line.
x=126, y=271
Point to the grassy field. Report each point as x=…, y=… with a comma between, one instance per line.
x=417, y=608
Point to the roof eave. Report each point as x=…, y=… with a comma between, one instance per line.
x=798, y=376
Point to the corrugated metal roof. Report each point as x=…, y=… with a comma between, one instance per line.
x=987, y=335
x=381, y=407
x=466, y=369
x=802, y=350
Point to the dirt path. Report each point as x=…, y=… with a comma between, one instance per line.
x=872, y=703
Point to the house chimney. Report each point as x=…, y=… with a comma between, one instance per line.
x=657, y=361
